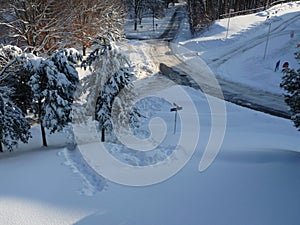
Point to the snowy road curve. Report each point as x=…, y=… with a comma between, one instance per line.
x=184, y=63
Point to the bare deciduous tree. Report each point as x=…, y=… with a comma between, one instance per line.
x=92, y=17
x=42, y=26
x=35, y=24
x=138, y=8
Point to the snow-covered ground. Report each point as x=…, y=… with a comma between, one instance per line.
x=255, y=178
x=241, y=56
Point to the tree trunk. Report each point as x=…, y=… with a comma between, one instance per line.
x=103, y=135
x=83, y=50
x=43, y=135
x=41, y=124
x=1, y=147
x=135, y=24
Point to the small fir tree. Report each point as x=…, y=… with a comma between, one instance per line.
x=53, y=83
x=291, y=84
x=111, y=72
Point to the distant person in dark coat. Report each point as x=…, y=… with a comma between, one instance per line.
x=277, y=65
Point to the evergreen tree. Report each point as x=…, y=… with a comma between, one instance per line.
x=111, y=72
x=13, y=103
x=13, y=125
x=291, y=84
x=48, y=84
x=53, y=83
x=107, y=96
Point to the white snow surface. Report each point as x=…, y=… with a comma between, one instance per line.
x=244, y=47
x=255, y=178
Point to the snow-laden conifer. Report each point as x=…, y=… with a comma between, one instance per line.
x=111, y=72
x=291, y=84
x=13, y=125
x=15, y=77
x=53, y=82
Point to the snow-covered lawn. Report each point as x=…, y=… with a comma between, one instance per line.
x=254, y=180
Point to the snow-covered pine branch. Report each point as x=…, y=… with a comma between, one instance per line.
x=13, y=125
x=12, y=75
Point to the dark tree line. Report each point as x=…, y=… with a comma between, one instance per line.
x=138, y=9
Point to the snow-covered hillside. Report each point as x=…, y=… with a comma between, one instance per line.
x=241, y=56
x=253, y=180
